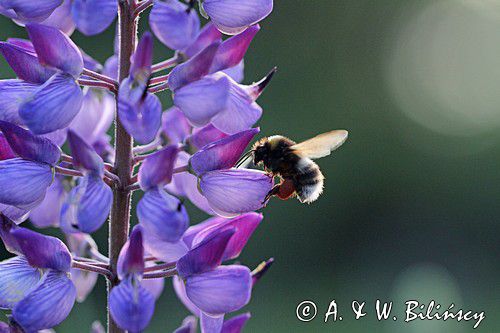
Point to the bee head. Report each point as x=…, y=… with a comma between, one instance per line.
x=260, y=151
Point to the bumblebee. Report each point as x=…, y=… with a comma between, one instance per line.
x=293, y=163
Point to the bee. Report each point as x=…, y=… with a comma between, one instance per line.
x=293, y=163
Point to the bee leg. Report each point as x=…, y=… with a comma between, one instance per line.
x=274, y=191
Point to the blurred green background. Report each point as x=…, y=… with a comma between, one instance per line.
x=411, y=204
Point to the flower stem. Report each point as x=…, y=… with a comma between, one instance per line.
x=171, y=62
x=160, y=267
x=91, y=268
x=160, y=275
x=99, y=77
x=120, y=212
x=98, y=84
x=68, y=172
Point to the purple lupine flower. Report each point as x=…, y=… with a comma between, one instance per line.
x=28, y=11
x=140, y=111
x=130, y=304
x=222, y=154
x=88, y=204
x=175, y=126
x=57, y=98
x=235, y=324
x=234, y=16
x=25, y=179
x=174, y=23
x=64, y=15
x=235, y=191
x=35, y=285
x=48, y=212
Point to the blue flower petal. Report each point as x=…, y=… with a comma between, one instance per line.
x=157, y=169
x=211, y=324
x=163, y=214
x=29, y=10
x=131, y=259
x=223, y=290
x=174, y=24
x=53, y=105
x=93, y=16
x=131, y=306
x=48, y=305
x=13, y=94
x=23, y=182
x=87, y=206
x=17, y=279
x=235, y=324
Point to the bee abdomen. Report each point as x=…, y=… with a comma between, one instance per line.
x=309, y=181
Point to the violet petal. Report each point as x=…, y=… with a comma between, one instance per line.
x=29, y=146
x=93, y=16
x=131, y=258
x=48, y=305
x=235, y=191
x=163, y=214
x=174, y=24
x=223, y=290
x=17, y=279
x=84, y=156
x=14, y=93
x=206, y=255
x=235, y=324
x=53, y=105
x=131, y=306
x=157, y=169
x=55, y=49
x=222, y=154
x=234, y=16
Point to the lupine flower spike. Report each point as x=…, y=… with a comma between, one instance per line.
x=59, y=169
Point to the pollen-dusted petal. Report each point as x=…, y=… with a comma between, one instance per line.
x=43, y=251
x=55, y=49
x=234, y=16
x=157, y=169
x=188, y=325
x=87, y=206
x=204, y=99
x=23, y=182
x=17, y=279
x=53, y=105
x=164, y=251
x=241, y=111
x=180, y=291
x=235, y=324
x=211, y=324
x=48, y=305
x=131, y=306
x=25, y=63
x=175, y=125
x=222, y=154
x=84, y=156
x=61, y=18
x=163, y=214
x=208, y=34
x=29, y=146
x=48, y=213
x=174, y=24
x=93, y=16
x=235, y=191
x=142, y=120
x=244, y=225
x=131, y=258
x=206, y=255
x=14, y=93
x=193, y=69
x=223, y=290
x=29, y=10
x=205, y=135
x=232, y=51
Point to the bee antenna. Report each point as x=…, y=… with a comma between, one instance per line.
x=243, y=158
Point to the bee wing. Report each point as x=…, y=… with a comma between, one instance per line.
x=321, y=145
